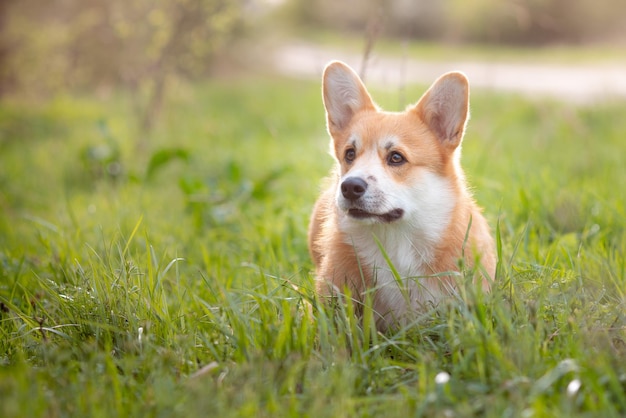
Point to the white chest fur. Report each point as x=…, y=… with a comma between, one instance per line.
x=397, y=263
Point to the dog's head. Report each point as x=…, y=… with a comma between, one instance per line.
x=395, y=166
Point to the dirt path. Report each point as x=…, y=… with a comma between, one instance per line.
x=581, y=83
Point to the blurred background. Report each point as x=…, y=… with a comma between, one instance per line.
x=515, y=22
x=94, y=46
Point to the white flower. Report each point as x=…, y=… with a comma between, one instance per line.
x=572, y=388
x=442, y=378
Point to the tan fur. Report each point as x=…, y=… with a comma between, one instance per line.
x=430, y=141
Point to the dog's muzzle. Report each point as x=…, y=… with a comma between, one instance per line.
x=352, y=189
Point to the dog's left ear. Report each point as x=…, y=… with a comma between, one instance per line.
x=445, y=108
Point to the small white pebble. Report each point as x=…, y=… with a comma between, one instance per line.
x=573, y=387
x=442, y=378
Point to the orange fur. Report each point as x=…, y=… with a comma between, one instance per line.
x=427, y=136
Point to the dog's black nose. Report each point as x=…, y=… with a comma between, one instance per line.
x=353, y=188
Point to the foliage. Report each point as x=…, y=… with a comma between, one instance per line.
x=96, y=45
x=182, y=286
x=535, y=21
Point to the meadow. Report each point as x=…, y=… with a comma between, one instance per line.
x=167, y=274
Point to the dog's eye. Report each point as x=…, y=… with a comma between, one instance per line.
x=350, y=155
x=395, y=158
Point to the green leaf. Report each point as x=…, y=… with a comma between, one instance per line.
x=163, y=157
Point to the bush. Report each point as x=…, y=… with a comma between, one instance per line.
x=93, y=44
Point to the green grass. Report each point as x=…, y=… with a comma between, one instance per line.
x=128, y=263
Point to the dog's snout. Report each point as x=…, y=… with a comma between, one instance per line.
x=353, y=188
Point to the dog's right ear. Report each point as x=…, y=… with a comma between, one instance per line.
x=344, y=95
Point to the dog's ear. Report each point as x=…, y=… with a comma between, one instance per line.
x=445, y=108
x=344, y=95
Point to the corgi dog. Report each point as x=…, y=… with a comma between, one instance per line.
x=397, y=219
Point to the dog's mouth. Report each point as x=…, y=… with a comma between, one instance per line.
x=390, y=216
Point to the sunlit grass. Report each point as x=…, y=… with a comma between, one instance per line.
x=119, y=282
